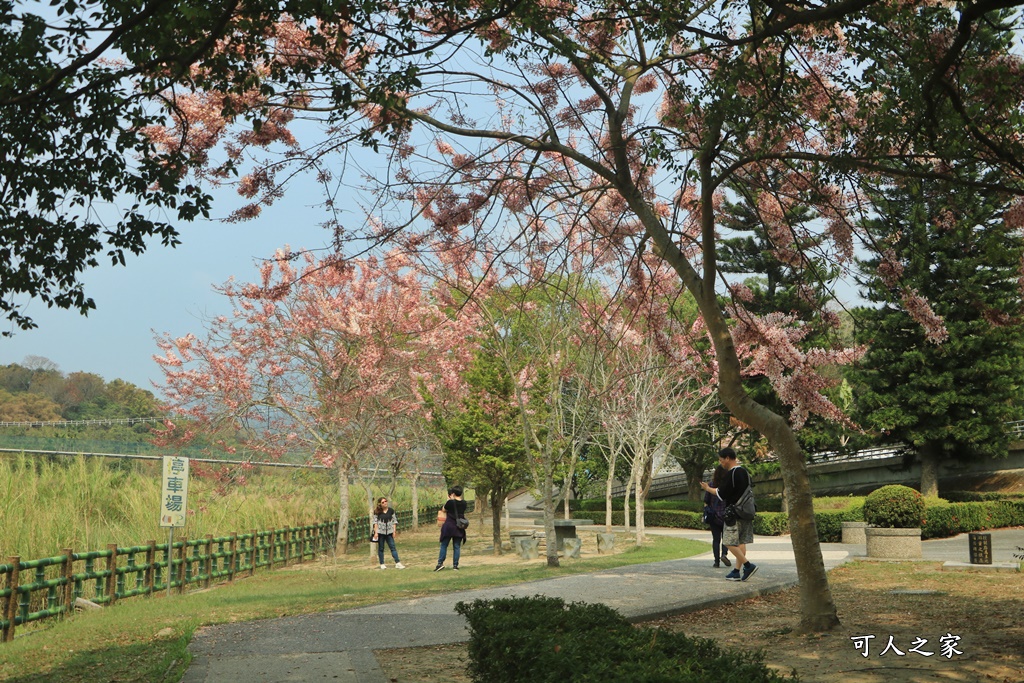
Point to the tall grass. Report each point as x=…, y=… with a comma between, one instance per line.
x=86, y=503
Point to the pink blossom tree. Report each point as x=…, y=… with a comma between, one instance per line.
x=634, y=119
x=320, y=357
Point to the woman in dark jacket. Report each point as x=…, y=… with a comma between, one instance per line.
x=716, y=519
x=454, y=508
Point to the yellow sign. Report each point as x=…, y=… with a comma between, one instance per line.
x=174, y=497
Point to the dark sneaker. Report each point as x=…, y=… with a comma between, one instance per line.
x=748, y=570
x=726, y=562
x=455, y=568
x=438, y=567
x=716, y=565
x=734, y=575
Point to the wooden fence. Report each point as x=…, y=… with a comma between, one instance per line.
x=53, y=584
x=33, y=590
x=39, y=589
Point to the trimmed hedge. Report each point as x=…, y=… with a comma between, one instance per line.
x=772, y=504
x=940, y=520
x=980, y=496
x=830, y=524
x=543, y=640
x=958, y=518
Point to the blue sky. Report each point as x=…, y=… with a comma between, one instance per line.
x=164, y=290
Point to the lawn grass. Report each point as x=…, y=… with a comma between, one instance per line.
x=146, y=639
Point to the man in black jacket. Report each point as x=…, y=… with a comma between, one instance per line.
x=741, y=532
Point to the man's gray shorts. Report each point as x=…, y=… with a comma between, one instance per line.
x=742, y=532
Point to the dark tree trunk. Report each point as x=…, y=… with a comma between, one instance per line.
x=930, y=455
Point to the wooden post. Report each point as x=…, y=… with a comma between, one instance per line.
x=11, y=608
x=233, y=562
x=151, y=569
x=112, y=574
x=253, y=550
x=209, y=560
x=69, y=581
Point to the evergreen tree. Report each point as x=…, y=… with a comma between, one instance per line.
x=802, y=290
x=945, y=398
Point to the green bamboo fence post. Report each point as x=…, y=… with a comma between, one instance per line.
x=150, y=567
x=253, y=550
x=233, y=566
x=287, y=544
x=181, y=568
x=209, y=560
x=112, y=575
x=270, y=555
x=11, y=608
x=69, y=581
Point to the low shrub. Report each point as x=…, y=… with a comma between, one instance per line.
x=542, y=639
x=894, y=506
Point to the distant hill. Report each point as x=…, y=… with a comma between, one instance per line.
x=36, y=390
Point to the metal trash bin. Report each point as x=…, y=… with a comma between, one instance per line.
x=980, y=546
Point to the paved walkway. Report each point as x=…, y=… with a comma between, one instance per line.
x=338, y=646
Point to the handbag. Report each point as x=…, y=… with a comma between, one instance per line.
x=460, y=521
x=709, y=514
x=744, y=508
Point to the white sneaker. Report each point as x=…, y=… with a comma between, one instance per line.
x=399, y=566
x=383, y=566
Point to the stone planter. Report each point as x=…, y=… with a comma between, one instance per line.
x=893, y=544
x=853, y=532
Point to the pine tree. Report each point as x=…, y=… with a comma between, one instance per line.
x=943, y=398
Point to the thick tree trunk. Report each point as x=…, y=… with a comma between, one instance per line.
x=608, y=495
x=645, y=478
x=497, y=501
x=415, y=492
x=930, y=454
x=550, y=541
x=344, y=509
x=694, y=473
x=625, y=501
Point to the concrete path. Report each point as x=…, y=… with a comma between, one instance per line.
x=338, y=646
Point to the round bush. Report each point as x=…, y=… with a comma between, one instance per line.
x=894, y=507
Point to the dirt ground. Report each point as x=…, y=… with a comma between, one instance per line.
x=911, y=602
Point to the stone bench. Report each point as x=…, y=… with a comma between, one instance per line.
x=565, y=528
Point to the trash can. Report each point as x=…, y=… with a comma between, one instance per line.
x=980, y=547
